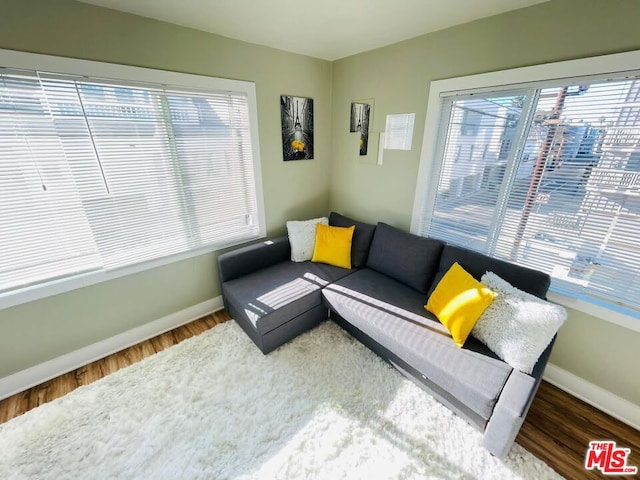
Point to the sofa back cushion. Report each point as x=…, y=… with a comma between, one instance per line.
x=526, y=279
x=361, y=241
x=405, y=257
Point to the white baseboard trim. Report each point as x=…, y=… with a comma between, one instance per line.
x=617, y=407
x=38, y=374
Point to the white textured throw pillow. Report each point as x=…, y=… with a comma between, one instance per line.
x=302, y=238
x=517, y=326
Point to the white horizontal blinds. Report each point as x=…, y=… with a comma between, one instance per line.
x=44, y=230
x=563, y=196
x=138, y=212
x=576, y=206
x=478, y=139
x=212, y=141
x=96, y=175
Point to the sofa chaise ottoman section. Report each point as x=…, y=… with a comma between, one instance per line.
x=279, y=301
x=393, y=315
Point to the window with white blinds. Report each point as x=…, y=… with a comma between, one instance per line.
x=96, y=175
x=548, y=177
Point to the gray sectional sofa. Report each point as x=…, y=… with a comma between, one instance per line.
x=380, y=301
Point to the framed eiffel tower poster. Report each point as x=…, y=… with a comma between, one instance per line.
x=296, y=114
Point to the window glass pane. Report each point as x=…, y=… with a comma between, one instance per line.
x=576, y=213
x=98, y=175
x=45, y=232
x=560, y=192
x=138, y=214
x=213, y=143
x=477, y=146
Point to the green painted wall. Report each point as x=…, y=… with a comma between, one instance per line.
x=41, y=330
x=397, y=78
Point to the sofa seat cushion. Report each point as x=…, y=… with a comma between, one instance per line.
x=274, y=295
x=393, y=315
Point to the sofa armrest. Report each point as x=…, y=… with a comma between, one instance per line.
x=240, y=262
x=512, y=407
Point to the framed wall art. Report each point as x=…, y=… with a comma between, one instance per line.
x=360, y=120
x=296, y=116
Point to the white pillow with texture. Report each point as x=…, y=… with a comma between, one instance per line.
x=302, y=237
x=517, y=326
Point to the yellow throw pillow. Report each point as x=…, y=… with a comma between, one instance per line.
x=333, y=245
x=458, y=301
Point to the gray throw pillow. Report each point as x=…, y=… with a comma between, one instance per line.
x=408, y=258
x=477, y=264
x=361, y=241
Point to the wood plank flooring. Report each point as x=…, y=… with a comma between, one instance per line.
x=24, y=401
x=559, y=427
x=557, y=430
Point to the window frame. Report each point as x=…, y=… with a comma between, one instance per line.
x=115, y=72
x=576, y=71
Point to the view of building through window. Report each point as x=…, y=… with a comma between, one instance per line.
x=548, y=178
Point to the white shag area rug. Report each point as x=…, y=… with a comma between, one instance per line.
x=213, y=407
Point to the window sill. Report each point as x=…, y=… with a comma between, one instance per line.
x=63, y=285
x=617, y=317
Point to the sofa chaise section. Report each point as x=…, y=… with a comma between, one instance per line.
x=272, y=298
x=383, y=306
x=390, y=319
x=393, y=315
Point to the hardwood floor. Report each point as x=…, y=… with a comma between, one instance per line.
x=557, y=430
x=24, y=401
x=559, y=427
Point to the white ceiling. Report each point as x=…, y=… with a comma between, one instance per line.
x=328, y=29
